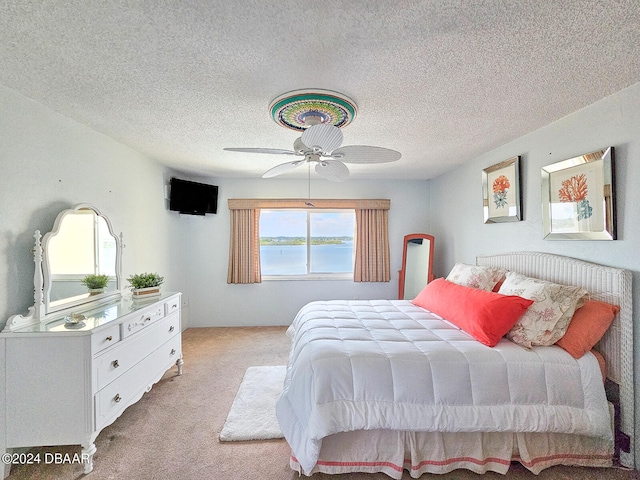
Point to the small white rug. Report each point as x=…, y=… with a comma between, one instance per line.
x=253, y=413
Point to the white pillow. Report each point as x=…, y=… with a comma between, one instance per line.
x=474, y=276
x=547, y=320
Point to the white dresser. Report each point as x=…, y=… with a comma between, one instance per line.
x=61, y=383
x=64, y=383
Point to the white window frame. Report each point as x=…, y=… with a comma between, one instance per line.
x=309, y=275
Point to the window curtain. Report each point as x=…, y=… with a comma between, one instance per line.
x=372, y=246
x=244, y=247
x=372, y=235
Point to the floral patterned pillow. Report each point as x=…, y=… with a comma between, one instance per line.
x=474, y=276
x=547, y=320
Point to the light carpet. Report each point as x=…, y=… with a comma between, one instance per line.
x=253, y=413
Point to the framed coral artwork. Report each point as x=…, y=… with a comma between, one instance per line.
x=501, y=191
x=578, y=198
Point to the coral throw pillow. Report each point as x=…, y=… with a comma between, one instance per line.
x=486, y=316
x=588, y=325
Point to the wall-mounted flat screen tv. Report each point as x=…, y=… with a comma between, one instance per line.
x=193, y=198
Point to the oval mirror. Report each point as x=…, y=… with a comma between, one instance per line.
x=417, y=265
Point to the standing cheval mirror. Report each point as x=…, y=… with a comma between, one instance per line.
x=417, y=265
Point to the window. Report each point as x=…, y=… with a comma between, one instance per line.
x=371, y=220
x=312, y=243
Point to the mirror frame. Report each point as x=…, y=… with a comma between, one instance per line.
x=402, y=271
x=41, y=311
x=601, y=162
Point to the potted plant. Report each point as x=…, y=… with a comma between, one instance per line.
x=144, y=285
x=95, y=283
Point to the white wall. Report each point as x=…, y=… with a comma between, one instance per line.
x=213, y=302
x=49, y=163
x=456, y=198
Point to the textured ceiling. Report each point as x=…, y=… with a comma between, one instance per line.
x=441, y=81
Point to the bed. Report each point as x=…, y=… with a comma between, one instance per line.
x=387, y=386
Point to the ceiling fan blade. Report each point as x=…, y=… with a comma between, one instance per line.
x=333, y=170
x=282, y=168
x=275, y=151
x=325, y=136
x=365, y=154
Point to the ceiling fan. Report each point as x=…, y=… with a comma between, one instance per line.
x=319, y=115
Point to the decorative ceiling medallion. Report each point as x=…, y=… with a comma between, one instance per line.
x=300, y=109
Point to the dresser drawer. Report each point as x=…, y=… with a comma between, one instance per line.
x=129, y=387
x=105, y=338
x=115, y=362
x=172, y=306
x=142, y=319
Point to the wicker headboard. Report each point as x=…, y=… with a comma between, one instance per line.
x=608, y=284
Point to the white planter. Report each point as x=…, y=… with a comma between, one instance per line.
x=147, y=292
x=96, y=291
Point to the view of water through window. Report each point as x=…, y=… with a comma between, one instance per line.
x=284, y=244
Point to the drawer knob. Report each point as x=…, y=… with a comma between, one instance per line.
x=117, y=398
x=115, y=364
x=171, y=328
x=173, y=351
x=148, y=319
x=109, y=338
x=175, y=305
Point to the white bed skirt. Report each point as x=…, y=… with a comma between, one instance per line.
x=391, y=452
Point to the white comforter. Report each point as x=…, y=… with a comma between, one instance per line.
x=359, y=365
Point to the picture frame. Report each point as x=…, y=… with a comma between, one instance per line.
x=501, y=192
x=578, y=197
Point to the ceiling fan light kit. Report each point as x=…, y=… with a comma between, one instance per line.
x=319, y=114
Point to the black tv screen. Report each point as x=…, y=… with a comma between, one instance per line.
x=193, y=198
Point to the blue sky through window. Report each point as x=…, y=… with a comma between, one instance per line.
x=287, y=223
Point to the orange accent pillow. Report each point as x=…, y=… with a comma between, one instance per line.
x=486, y=316
x=587, y=327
